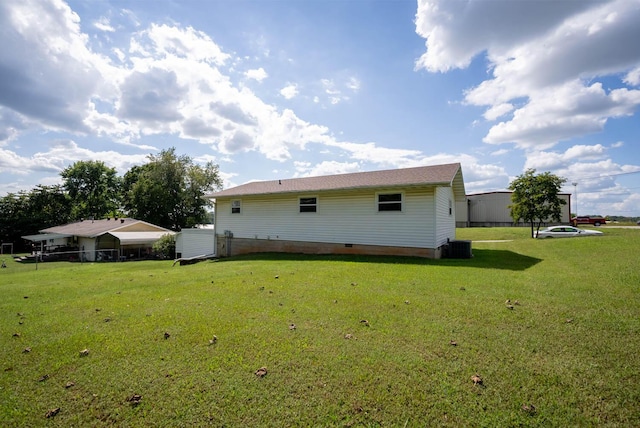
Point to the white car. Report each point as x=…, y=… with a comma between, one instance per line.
x=565, y=232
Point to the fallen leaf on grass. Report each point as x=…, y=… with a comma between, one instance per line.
x=26, y=350
x=135, y=399
x=348, y=336
x=166, y=335
x=453, y=343
x=477, y=380
x=261, y=372
x=569, y=320
x=292, y=326
x=69, y=384
x=365, y=323
x=529, y=408
x=51, y=413
x=213, y=340
x=43, y=378
x=84, y=352
x=16, y=335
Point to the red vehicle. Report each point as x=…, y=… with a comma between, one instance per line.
x=593, y=220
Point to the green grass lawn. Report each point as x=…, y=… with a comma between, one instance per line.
x=566, y=354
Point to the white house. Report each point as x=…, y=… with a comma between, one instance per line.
x=491, y=209
x=407, y=211
x=122, y=238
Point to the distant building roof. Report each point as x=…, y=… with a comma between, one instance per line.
x=495, y=192
x=447, y=175
x=93, y=228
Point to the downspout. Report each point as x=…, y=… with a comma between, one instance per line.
x=215, y=227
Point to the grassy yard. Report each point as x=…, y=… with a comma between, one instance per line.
x=346, y=341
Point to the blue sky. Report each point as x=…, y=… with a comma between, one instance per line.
x=272, y=89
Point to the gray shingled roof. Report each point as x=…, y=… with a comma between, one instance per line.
x=91, y=228
x=418, y=176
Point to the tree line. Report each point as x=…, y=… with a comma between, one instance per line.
x=167, y=191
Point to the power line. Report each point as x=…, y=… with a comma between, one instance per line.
x=608, y=175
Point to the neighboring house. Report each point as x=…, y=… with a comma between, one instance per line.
x=195, y=243
x=393, y=212
x=106, y=239
x=491, y=209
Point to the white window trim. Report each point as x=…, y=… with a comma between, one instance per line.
x=239, y=201
x=402, y=202
x=317, y=204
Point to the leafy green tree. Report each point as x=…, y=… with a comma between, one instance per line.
x=165, y=246
x=93, y=187
x=26, y=213
x=535, y=198
x=169, y=190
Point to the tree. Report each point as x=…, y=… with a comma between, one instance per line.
x=165, y=246
x=93, y=188
x=26, y=213
x=535, y=198
x=169, y=190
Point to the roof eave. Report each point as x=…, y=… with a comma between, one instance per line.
x=338, y=189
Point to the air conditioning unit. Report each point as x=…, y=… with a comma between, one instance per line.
x=459, y=250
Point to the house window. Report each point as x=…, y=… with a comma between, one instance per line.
x=390, y=202
x=450, y=207
x=308, y=205
x=235, y=207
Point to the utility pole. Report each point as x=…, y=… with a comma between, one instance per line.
x=575, y=194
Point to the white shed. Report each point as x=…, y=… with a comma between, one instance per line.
x=195, y=242
x=407, y=211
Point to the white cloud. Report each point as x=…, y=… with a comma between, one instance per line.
x=48, y=73
x=456, y=31
x=256, y=74
x=289, y=91
x=353, y=84
x=334, y=89
x=62, y=153
x=633, y=77
x=103, y=24
x=498, y=110
x=304, y=169
x=560, y=113
x=550, y=161
x=543, y=60
x=500, y=152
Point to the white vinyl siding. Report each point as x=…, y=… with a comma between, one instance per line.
x=445, y=223
x=345, y=217
x=195, y=242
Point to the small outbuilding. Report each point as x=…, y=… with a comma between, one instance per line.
x=408, y=212
x=196, y=242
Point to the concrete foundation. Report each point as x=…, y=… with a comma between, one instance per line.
x=227, y=247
